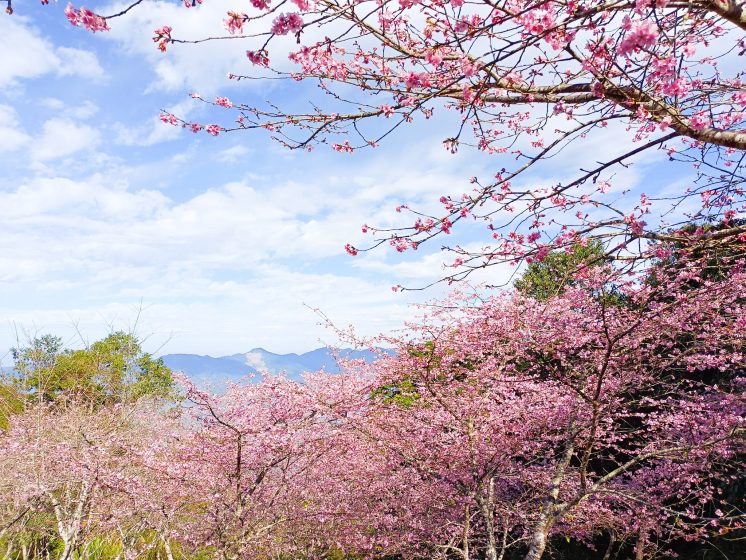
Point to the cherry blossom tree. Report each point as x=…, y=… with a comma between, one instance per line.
x=609, y=414
x=248, y=465
x=76, y=466
x=499, y=428
x=572, y=416
x=526, y=80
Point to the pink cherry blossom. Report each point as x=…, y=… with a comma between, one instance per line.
x=84, y=17
x=287, y=23
x=639, y=35
x=213, y=129
x=224, y=102
x=259, y=58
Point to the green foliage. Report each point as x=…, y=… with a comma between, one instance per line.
x=424, y=350
x=11, y=402
x=405, y=392
x=549, y=277
x=36, y=534
x=99, y=547
x=715, y=256
x=111, y=370
x=402, y=393
x=146, y=544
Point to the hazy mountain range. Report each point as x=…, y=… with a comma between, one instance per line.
x=238, y=366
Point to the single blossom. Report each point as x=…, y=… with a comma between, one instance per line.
x=213, y=129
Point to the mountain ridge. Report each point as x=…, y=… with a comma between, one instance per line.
x=256, y=361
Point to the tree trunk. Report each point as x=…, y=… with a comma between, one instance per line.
x=552, y=512
x=167, y=548
x=538, y=542
x=467, y=528
x=610, y=548
x=67, y=551
x=487, y=507
x=640, y=546
x=69, y=525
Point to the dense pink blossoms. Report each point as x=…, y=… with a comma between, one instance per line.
x=258, y=58
x=640, y=35
x=287, y=23
x=611, y=415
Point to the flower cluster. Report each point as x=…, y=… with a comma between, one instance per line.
x=287, y=23
x=213, y=129
x=234, y=22
x=258, y=58
x=84, y=17
x=162, y=36
x=639, y=35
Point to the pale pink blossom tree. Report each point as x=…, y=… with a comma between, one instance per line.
x=79, y=465
x=250, y=463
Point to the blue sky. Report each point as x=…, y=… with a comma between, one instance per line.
x=214, y=245
x=223, y=243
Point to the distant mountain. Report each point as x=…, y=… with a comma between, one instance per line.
x=237, y=366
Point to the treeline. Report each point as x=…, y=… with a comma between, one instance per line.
x=591, y=413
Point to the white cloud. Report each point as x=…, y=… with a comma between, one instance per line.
x=78, y=62
x=154, y=131
x=55, y=201
x=52, y=103
x=234, y=154
x=235, y=227
x=272, y=310
x=63, y=137
x=32, y=56
x=226, y=267
x=93, y=250
x=13, y=136
x=84, y=110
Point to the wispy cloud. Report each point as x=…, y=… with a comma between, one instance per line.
x=33, y=55
x=13, y=136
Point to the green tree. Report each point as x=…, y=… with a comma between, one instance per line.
x=549, y=277
x=709, y=245
x=11, y=402
x=114, y=369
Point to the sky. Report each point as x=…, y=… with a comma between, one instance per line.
x=112, y=220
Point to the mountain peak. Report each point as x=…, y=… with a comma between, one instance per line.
x=257, y=360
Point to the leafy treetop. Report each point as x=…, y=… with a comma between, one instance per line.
x=114, y=369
